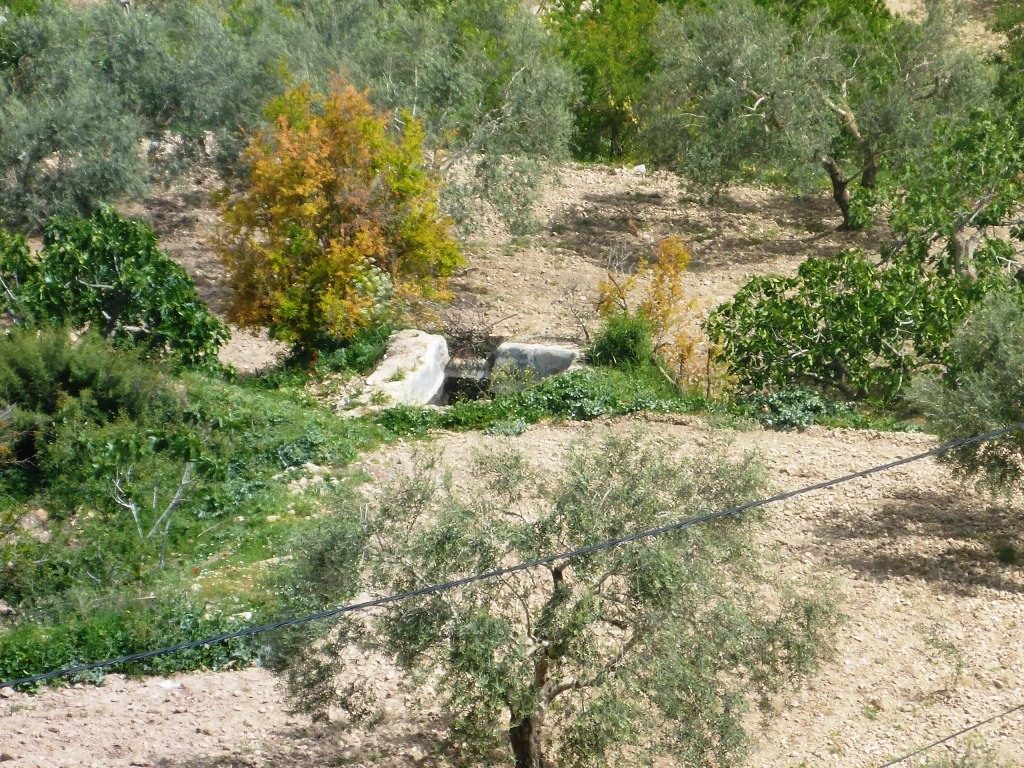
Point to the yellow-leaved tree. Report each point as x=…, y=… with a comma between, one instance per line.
x=337, y=226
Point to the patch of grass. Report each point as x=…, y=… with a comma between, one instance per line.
x=590, y=393
x=974, y=754
x=109, y=629
x=580, y=395
x=99, y=585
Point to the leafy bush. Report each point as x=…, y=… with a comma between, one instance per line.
x=624, y=341
x=570, y=662
x=107, y=272
x=864, y=328
x=338, y=223
x=789, y=408
x=843, y=323
x=981, y=390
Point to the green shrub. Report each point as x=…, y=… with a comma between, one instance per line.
x=624, y=341
x=118, y=627
x=845, y=324
x=107, y=272
x=47, y=380
x=981, y=390
x=789, y=408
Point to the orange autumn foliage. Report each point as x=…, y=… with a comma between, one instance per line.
x=338, y=226
x=655, y=291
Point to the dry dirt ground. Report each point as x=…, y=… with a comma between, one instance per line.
x=593, y=217
x=930, y=642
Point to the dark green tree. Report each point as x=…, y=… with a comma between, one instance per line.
x=107, y=272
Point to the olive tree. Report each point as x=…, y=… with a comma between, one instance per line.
x=982, y=389
x=743, y=88
x=489, y=85
x=82, y=85
x=657, y=648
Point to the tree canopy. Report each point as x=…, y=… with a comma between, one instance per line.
x=742, y=89
x=615, y=656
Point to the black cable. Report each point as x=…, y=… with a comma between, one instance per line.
x=952, y=736
x=449, y=585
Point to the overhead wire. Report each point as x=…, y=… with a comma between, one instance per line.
x=950, y=737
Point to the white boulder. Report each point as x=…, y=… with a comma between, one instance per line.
x=412, y=371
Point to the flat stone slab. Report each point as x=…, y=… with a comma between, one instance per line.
x=543, y=359
x=412, y=371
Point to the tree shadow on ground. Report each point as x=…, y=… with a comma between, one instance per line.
x=325, y=745
x=729, y=231
x=184, y=220
x=948, y=538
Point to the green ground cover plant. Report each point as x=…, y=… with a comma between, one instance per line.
x=124, y=485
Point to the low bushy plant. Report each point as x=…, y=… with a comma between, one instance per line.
x=623, y=341
x=107, y=273
x=788, y=408
x=47, y=379
x=982, y=389
x=580, y=395
x=118, y=627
